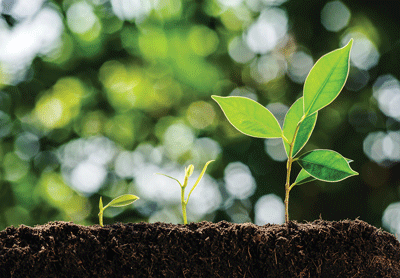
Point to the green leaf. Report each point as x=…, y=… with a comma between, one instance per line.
x=101, y=204
x=326, y=79
x=292, y=118
x=199, y=178
x=189, y=170
x=304, y=177
x=170, y=178
x=122, y=200
x=249, y=117
x=326, y=165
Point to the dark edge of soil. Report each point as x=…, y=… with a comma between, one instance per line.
x=319, y=249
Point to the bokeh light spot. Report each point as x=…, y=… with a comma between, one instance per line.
x=26, y=145
x=153, y=43
x=131, y=9
x=205, y=149
x=269, y=209
x=391, y=219
x=267, y=31
x=14, y=167
x=200, y=114
x=34, y=35
x=275, y=149
x=80, y=17
x=386, y=91
x=335, y=16
x=382, y=147
x=230, y=3
x=239, y=51
x=239, y=181
x=178, y=139
x=5, y=124
x=300, y=64
x=88, y=177
x=60, y=105
x=203, y=40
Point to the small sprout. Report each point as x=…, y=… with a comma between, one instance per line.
x=120, y=201
x=323, y=84
x=188, y=173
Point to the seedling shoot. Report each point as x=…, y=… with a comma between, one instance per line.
x=188, y=173
x=120, y=201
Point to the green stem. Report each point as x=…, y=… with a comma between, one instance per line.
x=101, y=218
x=287, y=184
x=183, y=205
x=289, y=163
x=184, y=213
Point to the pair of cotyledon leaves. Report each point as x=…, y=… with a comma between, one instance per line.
x=323, y=84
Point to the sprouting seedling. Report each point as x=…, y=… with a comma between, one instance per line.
x=120, y=201
x=323, y=84
x=188, y=173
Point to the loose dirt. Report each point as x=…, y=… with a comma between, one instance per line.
x=319, y=249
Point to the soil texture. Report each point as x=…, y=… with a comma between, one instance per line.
x=319, y=249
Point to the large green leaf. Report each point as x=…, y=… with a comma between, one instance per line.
x=326, y=79
x=249, y=117
x=326, y=165
x=292, y=118
x=304, y=177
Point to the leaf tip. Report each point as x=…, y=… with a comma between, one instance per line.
x=101, y=203
x=215, y=97
x=189, y=170
x=350, y=42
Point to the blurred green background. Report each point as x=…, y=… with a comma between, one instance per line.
x=96, y=96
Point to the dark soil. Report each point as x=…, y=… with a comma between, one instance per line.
x=319, y=249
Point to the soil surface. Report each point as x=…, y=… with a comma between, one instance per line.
x=319, y=249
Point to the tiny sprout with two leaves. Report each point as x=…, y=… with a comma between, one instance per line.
x=120, y=201
x=188, y=173
x=323, y=84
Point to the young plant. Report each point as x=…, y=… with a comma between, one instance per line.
x=323, y=84
x=188, y=173
x=120, y=201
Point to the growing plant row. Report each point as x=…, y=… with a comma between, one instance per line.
x=323, y=84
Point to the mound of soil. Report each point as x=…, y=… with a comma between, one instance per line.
x=319, y=249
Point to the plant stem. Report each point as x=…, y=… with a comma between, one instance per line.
x=101, y=219
x=183, y=205
x=287, y=185
x=290, y=160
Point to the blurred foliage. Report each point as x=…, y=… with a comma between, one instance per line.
x=128, y=83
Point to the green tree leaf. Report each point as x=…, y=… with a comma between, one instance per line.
x=292, y=118
x=326, y=79
x=304, y=177
x=249, y=117
x=326, y=165
x=122, y=200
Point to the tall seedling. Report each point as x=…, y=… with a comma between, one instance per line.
x=323, y=84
